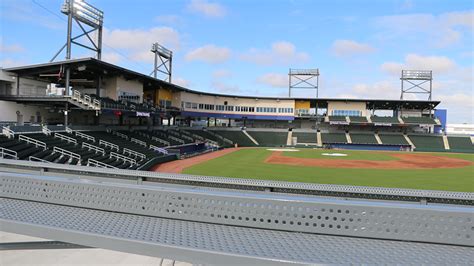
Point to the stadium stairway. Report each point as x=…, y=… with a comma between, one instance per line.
x=377, y=138
x=237, y=137
x=348, y=137
x=289, y=138
x=445, y=142
x=250, y=137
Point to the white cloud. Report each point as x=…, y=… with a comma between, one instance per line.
x=210, y=54
x=181, y=82
x=439, y=64
x=442, y=30
x=8, y=62
x=111, y=57
x=281, y=52
x=347, y=48
x=208, y=9
x=136, y=43
x=221, y=73
x=169, y=19
x=274, y=80
x=225, y=88
x=13, y=48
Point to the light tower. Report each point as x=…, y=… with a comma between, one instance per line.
x=166, y=60
x=89, y=20
x=303, y=79
x=418, y=81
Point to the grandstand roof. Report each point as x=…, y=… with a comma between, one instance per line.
x=84, y=76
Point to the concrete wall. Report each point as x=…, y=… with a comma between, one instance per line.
x=27, y=113
x=113, y=86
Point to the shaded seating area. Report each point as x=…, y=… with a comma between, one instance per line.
x=23, y=150
x=395, y=139
x=419, y=120
x=269, y=138
x=460, y=144
x=361, y=138
x=337, y=118
x=237, y=137
x=385, y=119
x=358, y=119
x=333, y=137
x=427, y=143
x=305, y=137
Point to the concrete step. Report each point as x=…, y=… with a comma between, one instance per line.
x=377, y=137
x=319, y=139
x=289, y=138
x=409, y=141
x=446, y=142
x=250, y=137
x=348, y=138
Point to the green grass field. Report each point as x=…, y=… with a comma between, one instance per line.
x=249, y=163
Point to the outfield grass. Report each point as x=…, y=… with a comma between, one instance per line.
x=248, y=163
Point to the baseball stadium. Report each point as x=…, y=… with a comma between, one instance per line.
x=88, y=122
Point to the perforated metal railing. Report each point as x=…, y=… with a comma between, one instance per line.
x=429, y=196
x=225, y=226
x=213, y=244
x=397, y=221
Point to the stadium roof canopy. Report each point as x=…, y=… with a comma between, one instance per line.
x=84, y=72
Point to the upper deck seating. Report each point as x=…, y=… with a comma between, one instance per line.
x=419, y=120
x=358, y=119
x=385, y=119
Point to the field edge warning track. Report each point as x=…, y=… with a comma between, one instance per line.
x=178, y=166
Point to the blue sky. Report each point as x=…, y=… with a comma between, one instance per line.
x=247, y=47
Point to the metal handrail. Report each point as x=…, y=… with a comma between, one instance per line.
x=134, y=153
x=160, y=140
x=65, y=138
x=159, y=149
x=92, y=162
x=36, y=159
x=6, y=131
x=108, y=144
x=67, y=153
x=85, y=136
x=123, y=158
x=140, y=142
x=92, y=147
x=35, y=142
x=8, y=154
x=120, y=135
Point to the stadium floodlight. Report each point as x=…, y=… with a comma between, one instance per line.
x=90, y=20
x=417, y=81
x=303, y=79
x=84, y=12
x=417, y=74
x=166, y=59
